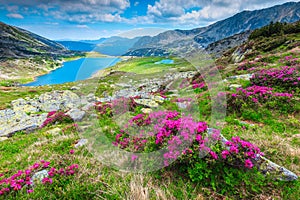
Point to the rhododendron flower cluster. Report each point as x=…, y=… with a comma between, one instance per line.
x=167, y=129
x=54, y=117
x=117, y=106
x=290, y=61
x=258, y=94
x=23, y=178
x=240, y=150
x=181, y=136
x=103, y=108
x=70, y=128
x=185, y=99
x=285, y=77
x=199, y=85
x=246, y=65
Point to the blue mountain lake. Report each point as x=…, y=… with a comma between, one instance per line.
x=75, y=70
x=166, y=61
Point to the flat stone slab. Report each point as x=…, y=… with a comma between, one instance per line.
x=147, y=102
x=23, y=115
x=234, y=86
x=3, y=138
x=243, y=76
x=20, y=121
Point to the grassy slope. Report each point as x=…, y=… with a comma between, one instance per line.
x=276, y=134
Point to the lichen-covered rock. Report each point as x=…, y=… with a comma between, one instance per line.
x=26, y=106
x=22, y=118
x=76, y=114
x=147, y=102
x=16, y=121
x=243, y=77
x=146, y=110
x=39, y=176
x=81, y=143
x=56, y=100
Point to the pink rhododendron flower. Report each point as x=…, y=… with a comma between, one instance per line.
x=248, y=164
x=213, y=155
x=134, y=157
x=224, y=154
x=29, y=191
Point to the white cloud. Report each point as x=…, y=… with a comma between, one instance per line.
x=174, y=12
x=82, y=26
x=77, y=11
x=15, y=16
x=185, y=12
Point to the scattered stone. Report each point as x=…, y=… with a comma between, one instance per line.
x=87, y=107
x=147, y=102
x=234, y=86
x=173, y=91
x=146, y=110
x=19, y=121
x=91, y=97
x=21, y=116
x=173, y=95
x=181, y=105
x=243, y=77
x=297, y=136
x=75, y=88
x=94, y=115
x=104, y=99
x=124, y=85
x=26, y=106
x=158, y=99
x=54, y=132
x=3, y=138
x=81, y=143
x=56, y=100
x=39, y=176
x=76, y=114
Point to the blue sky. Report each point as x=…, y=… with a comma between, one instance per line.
x=93, y=19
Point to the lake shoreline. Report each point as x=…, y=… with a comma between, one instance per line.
x=59, y=66
x=73, y=71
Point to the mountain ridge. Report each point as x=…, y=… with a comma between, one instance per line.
x=19, y=43
x=238, y=23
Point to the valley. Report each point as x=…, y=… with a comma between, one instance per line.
x=185, y=114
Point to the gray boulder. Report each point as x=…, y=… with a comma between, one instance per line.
x=76, y=114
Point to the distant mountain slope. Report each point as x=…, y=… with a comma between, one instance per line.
x=219, y=47
x=241, y=22
x=94, y=41
x=116, y=46
x=249, y=20
x=285, y=38
x=77, y=46
x=18, y=43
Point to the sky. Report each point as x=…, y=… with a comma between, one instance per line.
x=94, y=19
